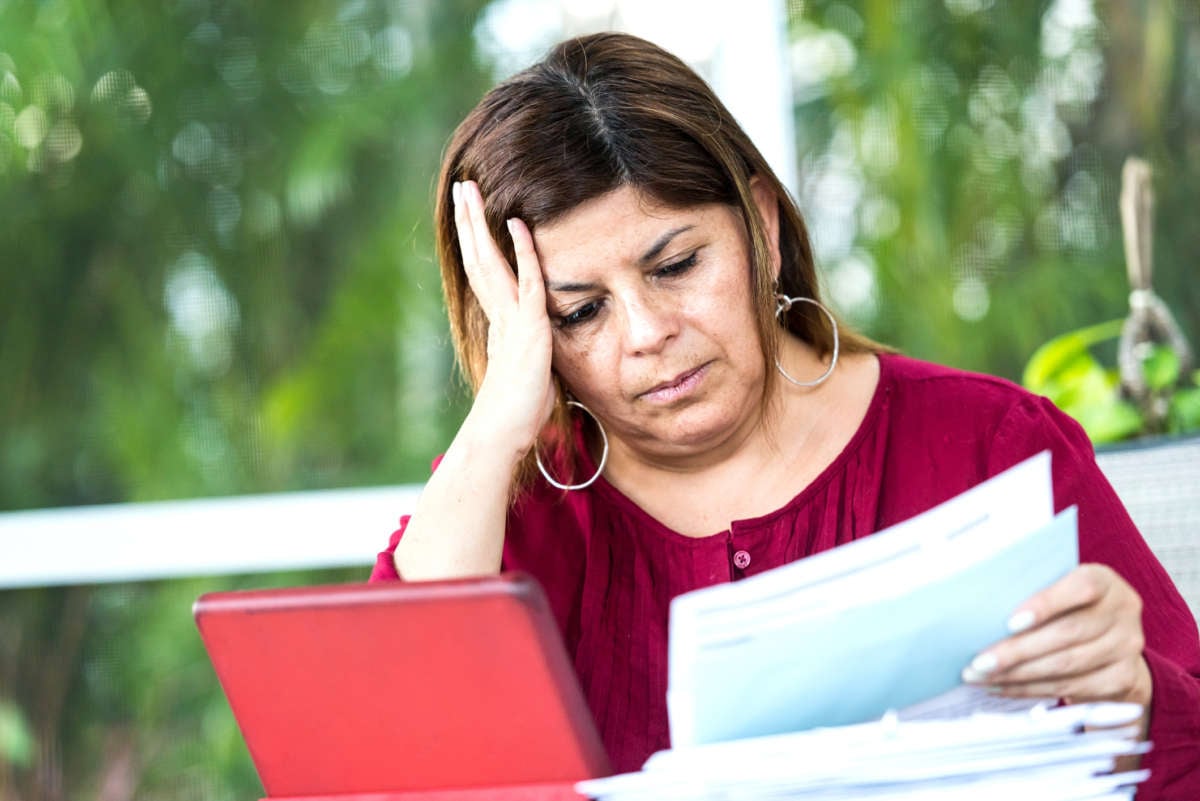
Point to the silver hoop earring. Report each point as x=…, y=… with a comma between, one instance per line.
x=603, y=456
x=782, y=304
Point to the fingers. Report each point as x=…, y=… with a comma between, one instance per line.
x=1084, y=586
x=516, y=395
x=530, y=287
x=466, y=236
x=1080, y=624
x=487, y=270
x=1079, y=638
x=1063, y=651
x=1100, y=679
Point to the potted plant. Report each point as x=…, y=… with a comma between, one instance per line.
x=1153, y=389
x=1067, y=371
x=1148, y=403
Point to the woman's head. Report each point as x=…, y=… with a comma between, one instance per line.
x=606, y=112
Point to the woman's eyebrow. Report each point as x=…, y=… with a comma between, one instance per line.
x=570, y=287
x=662, y=242
x=651, y=253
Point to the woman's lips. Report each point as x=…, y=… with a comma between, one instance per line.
x=676, y=388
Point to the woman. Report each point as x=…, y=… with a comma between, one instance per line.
x=633, y=298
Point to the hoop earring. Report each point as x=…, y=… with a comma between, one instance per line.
x=782, y=304
x=603, y=456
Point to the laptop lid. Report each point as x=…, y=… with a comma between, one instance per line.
x=401, y=686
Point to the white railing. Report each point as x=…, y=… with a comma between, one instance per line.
x=244, y=534
x=346, y=528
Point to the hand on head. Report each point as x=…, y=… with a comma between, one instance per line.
x=517, y=391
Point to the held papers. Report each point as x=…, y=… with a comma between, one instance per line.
x=784, y=685
x=879, y=624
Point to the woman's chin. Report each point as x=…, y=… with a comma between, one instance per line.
x=692, y=432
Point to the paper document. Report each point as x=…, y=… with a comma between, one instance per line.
x=837, y=678
x=883, y=623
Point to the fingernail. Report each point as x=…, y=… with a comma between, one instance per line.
x=980, y=667
x=984, y=664
x=1020, y=621
x=456, y=191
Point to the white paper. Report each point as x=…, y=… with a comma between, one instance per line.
x=836, y=678
x=883, y=623
x=1041, y=754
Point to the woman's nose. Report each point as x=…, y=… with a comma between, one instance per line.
x=648, y=324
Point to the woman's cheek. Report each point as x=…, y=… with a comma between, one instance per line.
x=574, y=365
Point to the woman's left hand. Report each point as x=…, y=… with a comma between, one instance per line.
x=1080, y=639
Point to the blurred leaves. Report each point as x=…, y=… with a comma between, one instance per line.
x=960, y=164
x=1064, y=358
x=114, y=688
x=1161, y=368
x=1067, y=372
x=217, y=278
x=1184, y=411
x=211, y=205
x=16, y=741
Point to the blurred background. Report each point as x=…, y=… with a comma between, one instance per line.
x=217, y=274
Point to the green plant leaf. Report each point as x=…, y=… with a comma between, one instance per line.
x=1089, y=393
x=1111, y=422
x=1161, y=368
x=1184, y=413
x=1089, y=385
x=1050, y=360
x=1081, y=383
x=16, y=742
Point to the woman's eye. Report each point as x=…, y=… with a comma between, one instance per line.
x=676, y=267
x=581, y=315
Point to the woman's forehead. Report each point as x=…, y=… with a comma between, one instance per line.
x=624, y=224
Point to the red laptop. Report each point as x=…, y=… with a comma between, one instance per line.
x=435, y=690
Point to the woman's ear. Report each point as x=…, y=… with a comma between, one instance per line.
x=768, y=208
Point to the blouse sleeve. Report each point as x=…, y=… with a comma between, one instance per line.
x=1108, y=535
x=385, y=562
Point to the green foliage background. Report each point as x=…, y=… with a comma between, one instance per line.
x=217, y=279
x=987, y=140
x=217, y=274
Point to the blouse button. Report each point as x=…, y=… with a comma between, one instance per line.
x=742, y=559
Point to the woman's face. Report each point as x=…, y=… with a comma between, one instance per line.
x=654, y=328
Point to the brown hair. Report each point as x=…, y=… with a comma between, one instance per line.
x=598, y=113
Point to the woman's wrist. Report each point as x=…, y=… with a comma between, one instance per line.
x=486, y=440
x=1142, y=691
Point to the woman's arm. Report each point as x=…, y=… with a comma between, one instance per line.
x=457, y=528
x=1116, y=627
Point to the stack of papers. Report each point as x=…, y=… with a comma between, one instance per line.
x=1044, y=754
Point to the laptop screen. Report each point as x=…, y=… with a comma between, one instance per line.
x=401, y=686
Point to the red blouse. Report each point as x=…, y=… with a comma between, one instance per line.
x=610, y=569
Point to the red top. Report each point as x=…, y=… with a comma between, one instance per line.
x=610, y=569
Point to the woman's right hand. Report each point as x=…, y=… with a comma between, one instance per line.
x=457, y=528
x=517, y=394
